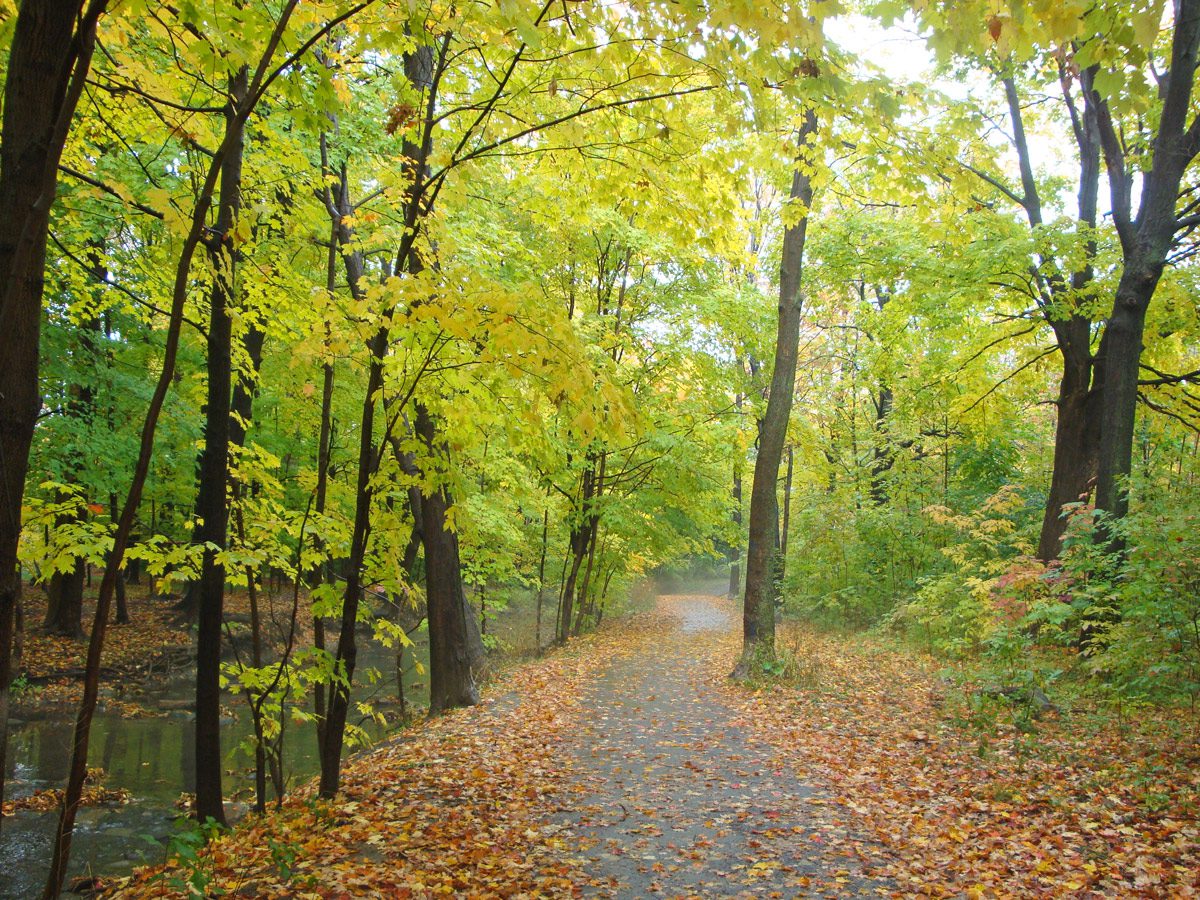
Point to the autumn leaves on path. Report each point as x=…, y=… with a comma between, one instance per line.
x=612, y=768
x=676, y=797
x=628, y=765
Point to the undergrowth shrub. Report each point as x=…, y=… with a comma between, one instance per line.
x=954, y=612
x=1147, y=600
x=1135, y=615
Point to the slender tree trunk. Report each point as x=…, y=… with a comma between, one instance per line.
x=331, y=731
x=735, y=551
x=541, y=588
x=758, y=614
x=324, y=446
x=213, y=503
x=785, y=525
x=578, y=540
x=122, y=615
x=91, y=685
x=346, y=656
x=593, y=533
x=256, y=658
x=577, y=547
x=586, y=584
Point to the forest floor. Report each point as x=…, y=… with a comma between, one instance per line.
x=628, y=765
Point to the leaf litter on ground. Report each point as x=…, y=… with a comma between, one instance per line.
x=907, y=800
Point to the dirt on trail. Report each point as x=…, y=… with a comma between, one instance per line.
x=675, y=797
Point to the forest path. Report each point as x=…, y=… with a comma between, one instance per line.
x=627, y=764
x=675, y=795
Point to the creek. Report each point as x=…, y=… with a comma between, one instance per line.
x=153, y=759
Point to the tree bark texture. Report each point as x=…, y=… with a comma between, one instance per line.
x=1077, y=430
x=1076, y=435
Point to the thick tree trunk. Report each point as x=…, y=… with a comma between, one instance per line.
x=1077, y=432
x=1146, y=242
x=47, y=63
x=1076, y=437
x=213, y=502
x=758, y=613
x=64, y=601
x=456, y=657
x=1122, y=349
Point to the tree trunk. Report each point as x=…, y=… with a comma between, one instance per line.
x=541, y=588
x=1122, y=350
x=122, y=613
x=333, y=729
x=213, y=502
x=324, y=443
x=456, y=656
x=64, y=601
x=1076, y=436
x=785, y=526
x=735, y=552
x=758, y=614
x=61, y=853
x=1146, y=241
x=593, y=529
x=1077, y=431
x=578, y=542
x=48, y=61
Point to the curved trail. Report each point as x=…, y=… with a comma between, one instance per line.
x=677, y=799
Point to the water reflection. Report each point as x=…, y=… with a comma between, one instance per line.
x=153, y=758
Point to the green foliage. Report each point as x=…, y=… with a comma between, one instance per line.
x=956, y=611
x=193, y=870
